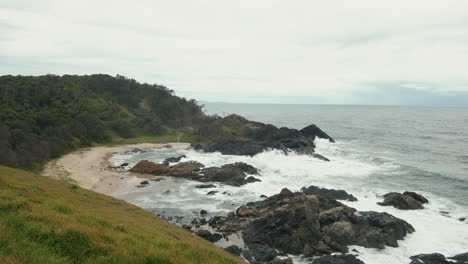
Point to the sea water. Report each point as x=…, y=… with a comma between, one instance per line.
x=377, y=150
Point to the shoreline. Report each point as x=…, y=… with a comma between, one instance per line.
x=89, y=168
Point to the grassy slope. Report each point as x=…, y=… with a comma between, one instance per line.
x=47, y=221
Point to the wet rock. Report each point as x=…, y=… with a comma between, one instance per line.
x=144, y=182
x=212, y=193
x=235, y=250
x=460, y=258
x=205, y=186
x=203, y=221
x=207, y=235
x=149, y=167
x=401, y=201
x=312, y=132
x=329, y=193
x=185, y=169
x=338, y=259
x=157, y=179
x=203, y=212
x=434, y=258
x=320, y=157
x=123, y=164
x=232, y=174
x=173, y=159
x=244, y=211
x=418, y=197
x=462, y=219
x=260, y=252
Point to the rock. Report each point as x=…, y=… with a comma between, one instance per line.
x=173, y=159
x=298, y=223
x=203, y=212
x=401, y=201
x=203, y=221
x=260, y=252
x=212, y=193
x=338, y=259
x=185, y=169
x=417, y=197
x=144, y=182
x=204, y=186
x=320, y=157
x=462, y=219
x=123, y=164
x=141, y=186
x=207, y=235
x=156, y=179
x=149, y=167
x=244, y=211
x=329, y=193
x=460, y=258
x=235, y=250
x=312, y=132
x=232, y=174
x=434, y=258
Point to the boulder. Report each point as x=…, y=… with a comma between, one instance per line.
x=205, y=186
x=338, y=259
x=235, y=250
x=320, y=157
x=460, y=258
x=149, y=167
x=244, y=211
x=434, y=258
x=330, y=194
x=232, y=174
x=418, y=197
x=207, y=235
x=401, y=201
x=185, y=169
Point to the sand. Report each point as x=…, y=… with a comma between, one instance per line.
x=89, y=168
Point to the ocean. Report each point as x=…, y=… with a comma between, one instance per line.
x=378, y=149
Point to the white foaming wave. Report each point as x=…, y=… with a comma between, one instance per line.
x=435, y=232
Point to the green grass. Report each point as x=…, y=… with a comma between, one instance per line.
x=47, y=221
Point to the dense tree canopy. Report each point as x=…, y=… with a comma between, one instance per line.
x=45, y=116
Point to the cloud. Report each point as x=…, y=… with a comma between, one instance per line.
x=246, y=51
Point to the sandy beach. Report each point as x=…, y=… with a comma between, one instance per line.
x=89, y=168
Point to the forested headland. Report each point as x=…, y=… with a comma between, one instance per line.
x=43, y=117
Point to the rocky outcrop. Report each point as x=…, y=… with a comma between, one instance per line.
x=338, y=259
x=239, y=136
x=437, y=258
x=405, y=201
x=207, y=235
x=185, y=169
x=234, y=174
x=310, y=222
x=460, y=258
x=149, y=167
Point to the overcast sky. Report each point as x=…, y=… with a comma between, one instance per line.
x=267, y=51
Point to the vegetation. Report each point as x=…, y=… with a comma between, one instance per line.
x=44, y=117
x=47, y=221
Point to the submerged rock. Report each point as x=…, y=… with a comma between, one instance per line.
x=434, y=258
x=173, y=159
x=205, y=186
x=405, y=201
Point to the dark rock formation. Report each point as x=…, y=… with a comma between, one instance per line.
x=238, y=136
x=173, y=159
x=461, y=258
x=310, y=222
x=405, y=201
x=232, y=174
x=149, y=167
x=207, y=235
x=235, y=250
x=320, y=157
x=211, y=192
x=338, y=259
x=144, y=182
x=434, y=258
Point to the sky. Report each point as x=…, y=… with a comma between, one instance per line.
x=395, y=52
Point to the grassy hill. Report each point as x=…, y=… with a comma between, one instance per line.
x=47, y=221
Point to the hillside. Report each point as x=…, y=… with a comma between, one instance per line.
x=47, y=221
x=43, y=117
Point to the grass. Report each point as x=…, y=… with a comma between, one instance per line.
x=48, y=221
